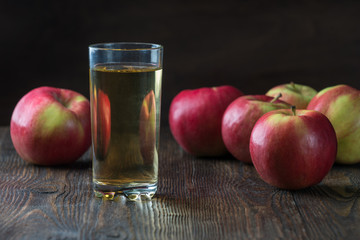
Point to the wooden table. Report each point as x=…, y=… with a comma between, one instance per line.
x=197, y=199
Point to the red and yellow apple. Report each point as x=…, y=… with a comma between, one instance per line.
x=293, y=149
x=195, y=119
x=147, y=128
x=341, y=104
x=240, y=118
x=295, y=94
x=51, y=126
x=101, y=111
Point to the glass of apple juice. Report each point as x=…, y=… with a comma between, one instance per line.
x=125, y=98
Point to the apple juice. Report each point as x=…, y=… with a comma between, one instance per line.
x=125, y=116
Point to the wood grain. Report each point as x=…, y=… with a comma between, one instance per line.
x=198, y=198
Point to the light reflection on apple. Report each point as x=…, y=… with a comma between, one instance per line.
x=147, y=128
x=102, y=124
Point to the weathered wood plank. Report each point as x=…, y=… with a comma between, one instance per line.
x=198, y=198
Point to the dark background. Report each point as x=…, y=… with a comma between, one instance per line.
x=253, y=45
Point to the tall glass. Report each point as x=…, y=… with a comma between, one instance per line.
x=125, y=97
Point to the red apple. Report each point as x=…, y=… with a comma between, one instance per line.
x=195, y=119
x=240, y=118
x=341, y=104
x=293, y=149
x=101, y=123
x=51, y=126
x=147, y=128
x=294, y=94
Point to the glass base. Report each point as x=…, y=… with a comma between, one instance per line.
x=138, y=193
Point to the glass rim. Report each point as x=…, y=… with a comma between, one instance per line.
x=106, y=46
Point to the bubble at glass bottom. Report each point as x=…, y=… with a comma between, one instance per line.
x=140, y=193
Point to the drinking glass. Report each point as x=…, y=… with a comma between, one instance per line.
x=125, y=98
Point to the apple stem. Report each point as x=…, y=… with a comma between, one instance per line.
x=293, y=85
x=293, y=109
x=276, y=98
